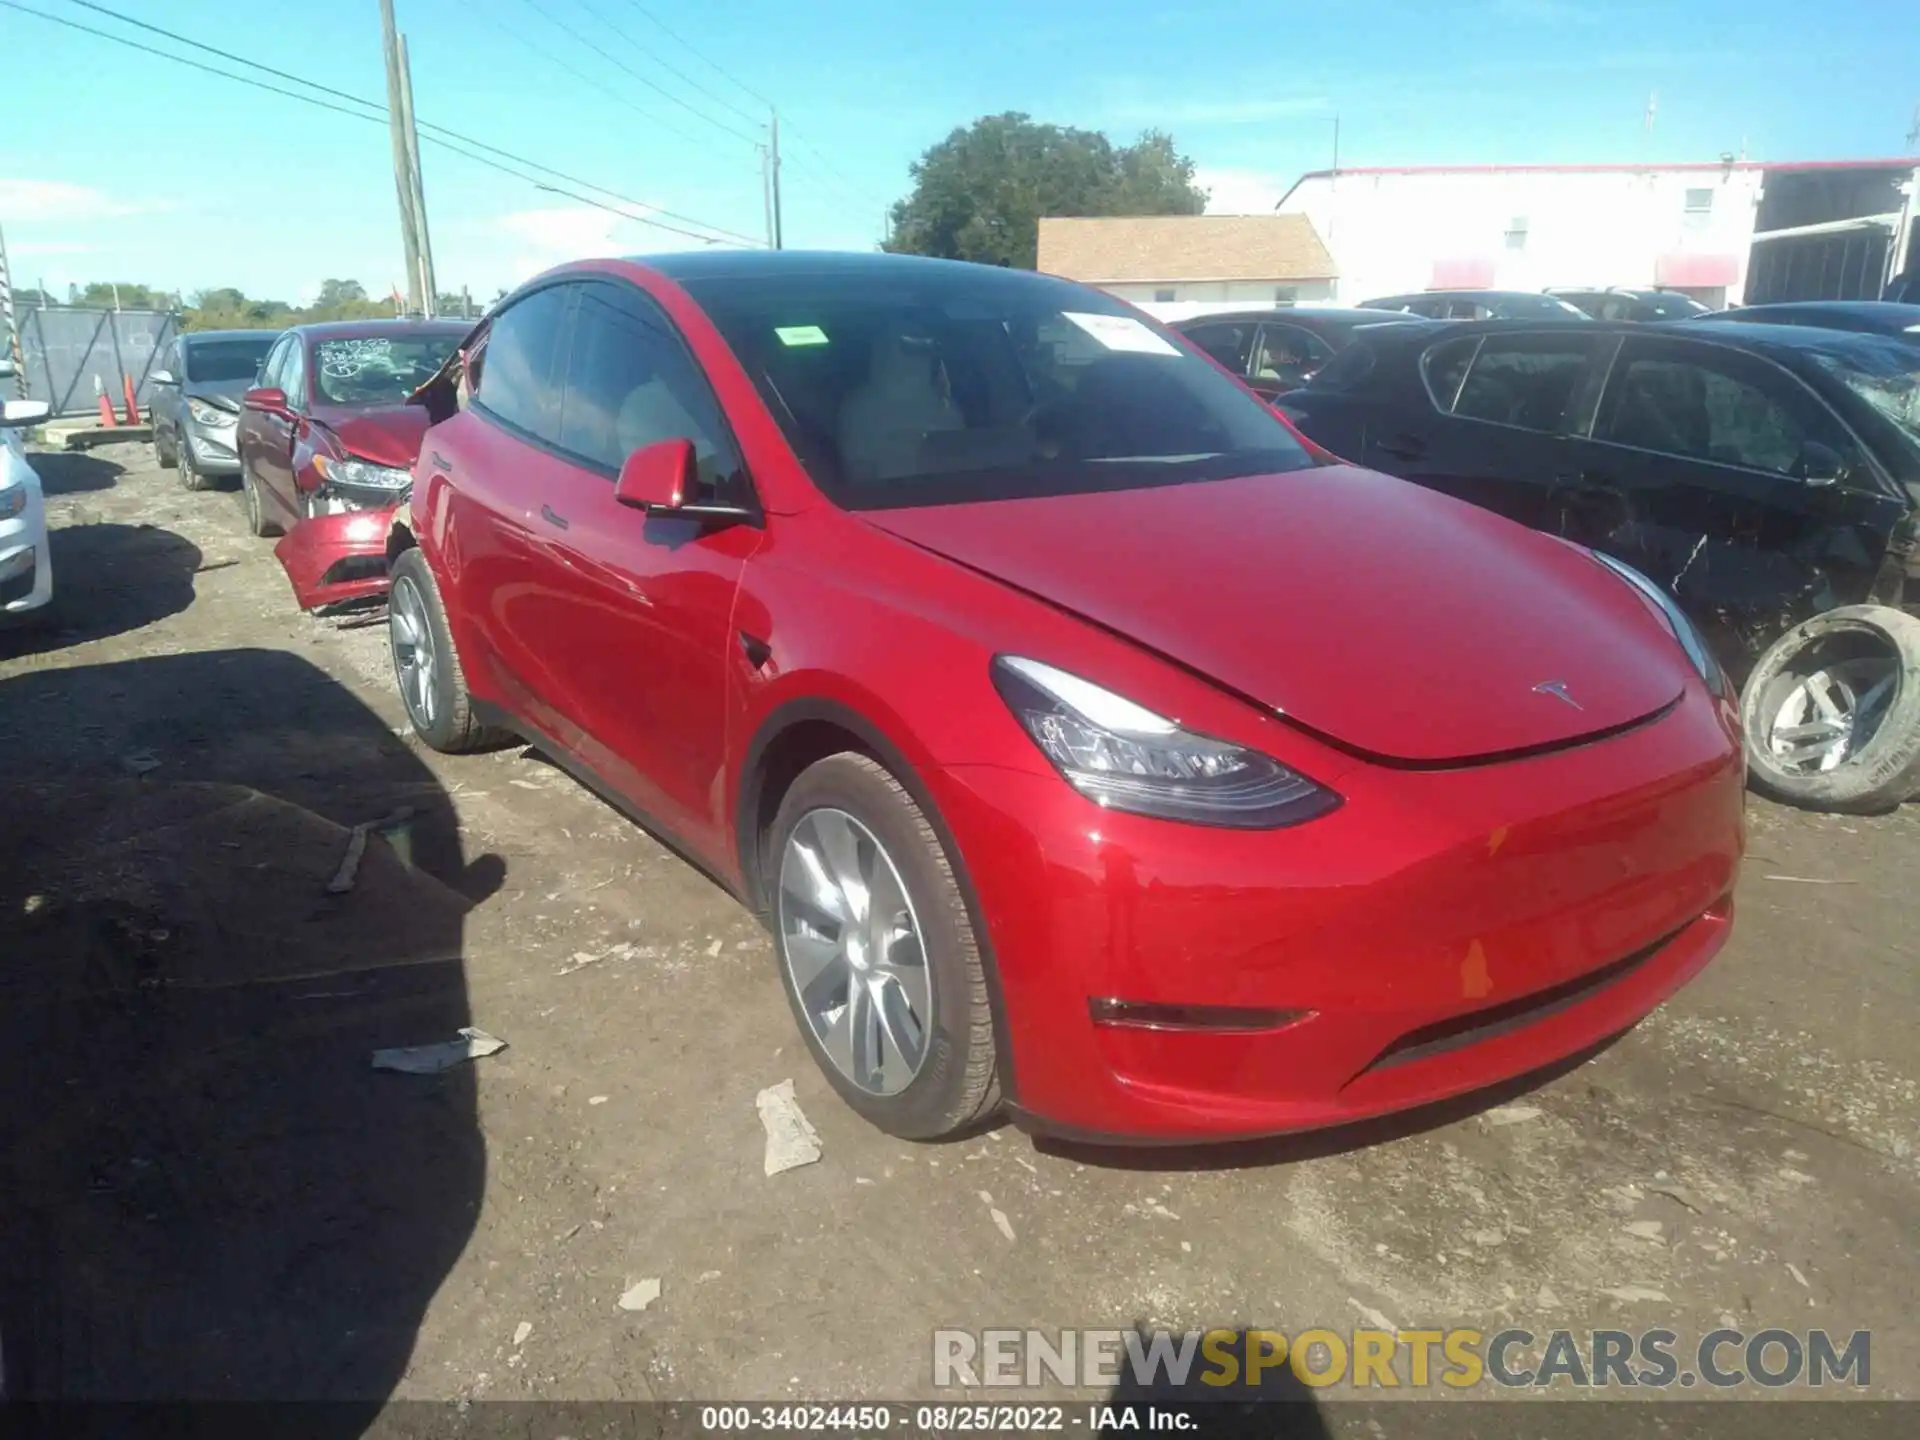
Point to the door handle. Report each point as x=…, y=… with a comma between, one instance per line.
x=553, y=517
x=438, y=461
x=1404, y=447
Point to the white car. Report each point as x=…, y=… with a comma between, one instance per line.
x=26, y=565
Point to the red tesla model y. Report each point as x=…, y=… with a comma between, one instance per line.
x=1091, y=745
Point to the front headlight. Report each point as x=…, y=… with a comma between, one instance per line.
x=361, y=474
x=212, y=415
x=1684, y=629
x=1125, y=757
x=13, y=499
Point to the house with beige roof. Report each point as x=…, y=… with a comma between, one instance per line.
x=1183, y=264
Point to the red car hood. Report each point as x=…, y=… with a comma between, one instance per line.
x=386, y=434
x=1395, y=620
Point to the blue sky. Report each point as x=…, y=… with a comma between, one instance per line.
x=118, y=165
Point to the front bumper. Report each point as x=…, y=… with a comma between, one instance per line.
x=26, y=561
x=333, y=558
x=1442, y=931
x=213, y=448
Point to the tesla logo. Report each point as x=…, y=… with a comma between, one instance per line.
x=1557, y=689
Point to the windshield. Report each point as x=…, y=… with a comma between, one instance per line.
x=1883, y=372
x=1671, y=307
x=1516, y=307
x=956, y=384
x=214, y=360
x=378, y=369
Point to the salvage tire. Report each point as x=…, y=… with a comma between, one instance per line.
x=257, y=521
x=426, y=667
x=190, y=476
x=1831, y=714
x=877, y=951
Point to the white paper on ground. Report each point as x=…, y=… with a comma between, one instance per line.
x=791, y=1138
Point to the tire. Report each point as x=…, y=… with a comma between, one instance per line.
x=1849, y=670
x=441, y=713
x=256, y=505
x=954, y=1084
x=165, y=456
x=190, y=476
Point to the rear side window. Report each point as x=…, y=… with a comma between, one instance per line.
x=517, y=381
x=1348, y=368
x=630, y=383
x=1527, y=381
x=1229, y=343
x=1290, y=354
x=1443, y=367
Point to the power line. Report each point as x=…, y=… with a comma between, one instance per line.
x=687, y=45
x=671, y=69
x=380, y=112
x=616, y=61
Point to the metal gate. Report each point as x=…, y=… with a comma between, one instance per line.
x=67, y=348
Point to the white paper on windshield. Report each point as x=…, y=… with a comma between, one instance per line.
x=1121, y=332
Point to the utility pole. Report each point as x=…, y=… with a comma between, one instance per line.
x=402, y=180
x=766, y=190
x=773, y=135
x=13, y=330
x=422, y=239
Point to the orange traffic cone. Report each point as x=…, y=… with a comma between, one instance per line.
x=133, y=408
x=106, y=412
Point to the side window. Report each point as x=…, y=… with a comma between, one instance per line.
x=274, y=365
x=1716, y=406
x=517, y=381
x=294, y=376
x=169, y=360
x=1290, y=354
x=1347, y=369
x=630, y=382
x=1444, y=365
x=1526, y=381
x=1226, y=342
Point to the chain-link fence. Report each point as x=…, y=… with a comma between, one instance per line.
x=73, y=356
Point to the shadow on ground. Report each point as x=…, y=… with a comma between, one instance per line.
x=107, y=580
x=209, y=1192
x=73, y=472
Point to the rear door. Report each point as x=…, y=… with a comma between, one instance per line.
x=1228, y=341
x=1724, y=478
x=1490, y=421
x=498, y=467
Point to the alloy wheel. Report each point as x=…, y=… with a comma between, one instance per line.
x=1829, y=714
x=853, y=950
x=414, y=657
x=255, y=520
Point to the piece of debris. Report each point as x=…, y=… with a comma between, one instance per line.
x=1678, y=1195
x=1488, y=1237
x=705, y=1275
x=1373, y=1317
x=1546, y=1299
x=596, y=1099
x=1798, y=1177
x=432, y=1059
x=522, y=1331
x=791, y=1139
x=571, y=1231
x=1794, y=1270
x=1513, y=1114
x=526, y=784
x=639, y=1297
x=1629, y=1294
x=1810, y=880
x=1000, y=1221
x=139, y=762
x=714, y=949
x=582, y=958
x=342, y=880
x=1645, y=1229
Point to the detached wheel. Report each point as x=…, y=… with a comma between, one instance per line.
x=190, y=476
x=257, y=521
x=425, y=664
x=877, y=954
x=1831, y=714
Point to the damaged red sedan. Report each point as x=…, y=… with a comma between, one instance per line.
x=326, y=444
x=1089, y=744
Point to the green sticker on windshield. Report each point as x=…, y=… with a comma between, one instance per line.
x=800, y=334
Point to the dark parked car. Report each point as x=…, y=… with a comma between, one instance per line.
x=327, y=437
x=197, y=381
x=1618, y=303
x=1275, y=350
x=1479, y=305
x=1871, y=317
x=1761, y=474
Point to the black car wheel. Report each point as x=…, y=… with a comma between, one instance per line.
x=191, y=477
x=426, y=666
x=257, y=521
x=164, y=453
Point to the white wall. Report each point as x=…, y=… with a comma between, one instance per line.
x=1225, y=292
x=1388, y=232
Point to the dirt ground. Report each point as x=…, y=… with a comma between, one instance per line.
x=210, y=1192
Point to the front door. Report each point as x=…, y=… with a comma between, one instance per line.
x=258, y=433
x=273, y=463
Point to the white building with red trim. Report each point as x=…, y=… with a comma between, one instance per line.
x=1727, y=232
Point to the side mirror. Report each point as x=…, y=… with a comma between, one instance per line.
x=163, y=377
x=664, y=478
x=1821, y=465
x=267, y=401
x=25, y=412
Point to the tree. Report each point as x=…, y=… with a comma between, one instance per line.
x=980, y=193
x=129, y=296
x=335, y=293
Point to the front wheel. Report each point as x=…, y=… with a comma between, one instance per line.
x=878, y=954
x=191, y=477
x=426, y=666
x=257, y=521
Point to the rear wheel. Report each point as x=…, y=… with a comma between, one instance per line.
x=1831, y=714
x=877, y=952
x=426, y=666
